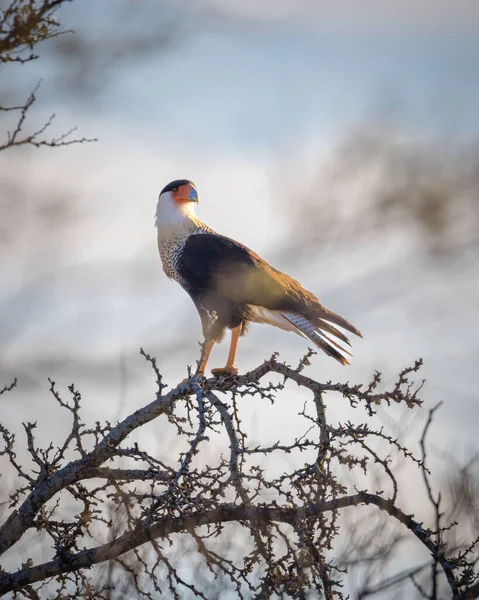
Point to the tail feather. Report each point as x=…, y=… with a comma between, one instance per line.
x=318, y=337
x=328, y=315
x=331, y=329
x=330, y=341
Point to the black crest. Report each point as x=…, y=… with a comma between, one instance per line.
x=174, y=184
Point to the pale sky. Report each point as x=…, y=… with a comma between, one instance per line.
x=242, y=109
x=424, y=15
x=224, y=107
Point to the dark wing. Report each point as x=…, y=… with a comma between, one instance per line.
x=214, y=265
x=224, y=276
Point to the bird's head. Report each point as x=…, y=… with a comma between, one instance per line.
x=179, y=192
x=177, y=200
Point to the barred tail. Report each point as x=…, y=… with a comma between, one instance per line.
x=317, y=334
x=322, y=314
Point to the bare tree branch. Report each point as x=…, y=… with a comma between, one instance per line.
x=17, y=136
x=24, y=24
x=289, y=519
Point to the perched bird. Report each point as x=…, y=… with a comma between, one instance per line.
x=232, y=286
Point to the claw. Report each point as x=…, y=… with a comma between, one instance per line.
x=227, y=371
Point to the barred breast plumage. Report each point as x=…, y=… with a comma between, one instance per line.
x=171, y=247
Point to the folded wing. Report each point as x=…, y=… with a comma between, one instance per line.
x=223, y=272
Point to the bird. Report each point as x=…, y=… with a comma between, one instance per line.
x=231, y=286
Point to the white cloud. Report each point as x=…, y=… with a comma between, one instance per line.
x=365, y=14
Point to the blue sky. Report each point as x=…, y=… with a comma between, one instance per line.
x=273, y=76
x=246, y=91
x=227, y=103
x=242, y=107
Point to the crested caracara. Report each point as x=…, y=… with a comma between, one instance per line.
x=232, y=286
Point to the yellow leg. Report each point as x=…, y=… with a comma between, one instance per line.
x=229, y=368
x=206, y=351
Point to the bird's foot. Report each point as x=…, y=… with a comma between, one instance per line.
x=228, y=371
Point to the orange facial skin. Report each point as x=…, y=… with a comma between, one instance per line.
x=182, y=194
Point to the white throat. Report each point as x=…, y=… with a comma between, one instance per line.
x=175, y=223
x=174, y=220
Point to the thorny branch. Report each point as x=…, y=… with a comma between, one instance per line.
x=18, y=137
x=100, y=494
x=23, y=25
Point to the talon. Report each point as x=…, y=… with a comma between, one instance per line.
x=229, y=370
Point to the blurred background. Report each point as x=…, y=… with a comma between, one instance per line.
x=338, y=140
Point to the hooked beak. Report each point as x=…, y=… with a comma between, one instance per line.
x=185, y=193
x=193, y=195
